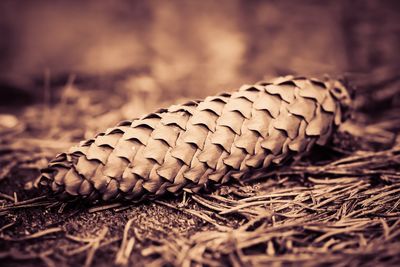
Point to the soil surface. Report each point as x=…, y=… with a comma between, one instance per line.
x=339, y=204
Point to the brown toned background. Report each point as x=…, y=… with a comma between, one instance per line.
x=194, y=47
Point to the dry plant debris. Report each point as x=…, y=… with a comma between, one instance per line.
x=345, y=219
x=338, y=206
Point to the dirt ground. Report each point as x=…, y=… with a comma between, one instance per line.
x=339, y=205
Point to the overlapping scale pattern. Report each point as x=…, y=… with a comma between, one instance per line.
x=190, y=145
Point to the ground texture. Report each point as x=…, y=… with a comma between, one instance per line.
x=340, y=205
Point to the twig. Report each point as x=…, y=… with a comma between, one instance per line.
x=104, y=207
x=5, y=196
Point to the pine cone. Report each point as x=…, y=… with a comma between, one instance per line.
x=191, y=145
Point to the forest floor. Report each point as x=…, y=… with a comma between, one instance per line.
x=340, y=205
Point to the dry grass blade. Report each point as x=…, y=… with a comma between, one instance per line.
x=94, y=246
x=198, y=214
x=35, y=235
x=24, y=256
x=125, y=250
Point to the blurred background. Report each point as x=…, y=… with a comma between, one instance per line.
x=157, y=50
